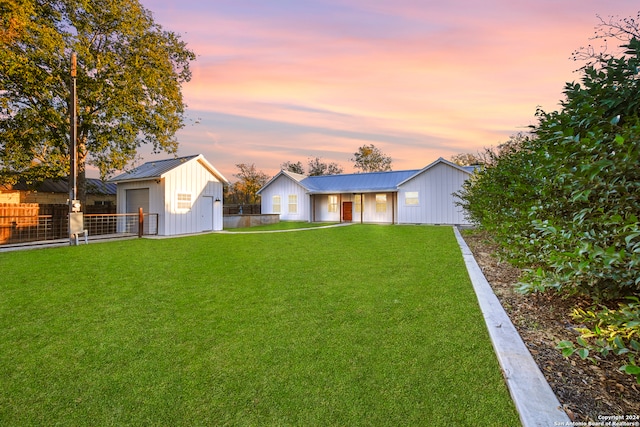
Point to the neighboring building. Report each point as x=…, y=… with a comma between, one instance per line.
x=185, y=192
x=420, y=196
x=56, y=192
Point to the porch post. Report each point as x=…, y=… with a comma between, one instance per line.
x=393, y=207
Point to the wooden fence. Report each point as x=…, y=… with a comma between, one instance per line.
x=15, y=217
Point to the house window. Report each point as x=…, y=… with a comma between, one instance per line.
x=381, y=203
x=411, y=198
x=333, y=204
x=358, y=203
x=184, y=201
x=293, y=203
x=276, y=204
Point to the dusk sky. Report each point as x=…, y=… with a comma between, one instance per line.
x=289, y=80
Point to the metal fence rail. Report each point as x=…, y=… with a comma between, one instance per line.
x=32, y=228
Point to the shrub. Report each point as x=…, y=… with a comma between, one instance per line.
x=564, y=201
x=608, y=331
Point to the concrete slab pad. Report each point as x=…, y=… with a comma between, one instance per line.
x=533, y=397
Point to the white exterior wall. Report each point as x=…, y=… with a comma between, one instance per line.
x=435, y=188
x=284, y=186
x=321, y=208
x=369, y=213
x=155, y=192
x=155, y=195
x=194, y=179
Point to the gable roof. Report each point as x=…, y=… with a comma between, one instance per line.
x=466, y=169
x=356, y=182
x=94, y=186
x=157, y=168
x=370, y=182
x=292, y=175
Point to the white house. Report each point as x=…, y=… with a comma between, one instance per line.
x=185, y=192
x=420, y=196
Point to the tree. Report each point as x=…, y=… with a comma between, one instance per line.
x=369, y=158
x=14, y=17
x=466, y=159
x=293, y=167
x=317, y=167
x=250, y=181
x=613, y=28
x=564, y=203
x=129, y=80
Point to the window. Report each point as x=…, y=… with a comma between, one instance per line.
x=276, y=204
x=293, y=203
x=411, y=198
x=358, y=203
x=381, y=203
x=184, y=201
x=333, y=203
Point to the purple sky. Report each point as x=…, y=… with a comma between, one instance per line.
x=289, y=80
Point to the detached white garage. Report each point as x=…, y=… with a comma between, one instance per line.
x=185, y=192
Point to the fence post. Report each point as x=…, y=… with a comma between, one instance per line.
x=140, y=222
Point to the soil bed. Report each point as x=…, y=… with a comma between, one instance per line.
x=587, y=391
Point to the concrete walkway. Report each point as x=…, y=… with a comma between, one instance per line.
x=534, y=399
x=342, y=224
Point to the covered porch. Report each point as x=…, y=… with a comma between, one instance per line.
x=362, y=207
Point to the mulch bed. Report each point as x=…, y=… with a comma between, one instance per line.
x=587, y=391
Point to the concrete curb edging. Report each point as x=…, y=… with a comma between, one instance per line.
x=534, y=399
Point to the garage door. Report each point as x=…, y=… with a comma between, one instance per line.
x=136, y=199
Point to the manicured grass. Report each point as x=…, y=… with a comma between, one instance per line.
x=360, y=325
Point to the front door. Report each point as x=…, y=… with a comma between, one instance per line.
x=347, y=211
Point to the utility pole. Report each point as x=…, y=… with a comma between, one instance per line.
x=76, y=220
x=73, y=148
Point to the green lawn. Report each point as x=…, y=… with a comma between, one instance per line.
x=361, y=325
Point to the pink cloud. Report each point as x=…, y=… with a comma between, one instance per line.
x=419, y=79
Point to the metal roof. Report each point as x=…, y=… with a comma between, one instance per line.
x=357, y=182
x=94, y=186
x=153, y=169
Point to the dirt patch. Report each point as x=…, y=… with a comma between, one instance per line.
x=587, y=391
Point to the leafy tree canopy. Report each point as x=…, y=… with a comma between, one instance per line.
x=316, y=167
x=466, y=159
x=250, y=180
x=129, y=77
x=293, y=167
x=564, y=202
x=369, y=158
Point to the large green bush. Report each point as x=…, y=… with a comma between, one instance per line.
x=564, y=201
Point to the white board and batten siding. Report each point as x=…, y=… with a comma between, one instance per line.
x=283, y=187
x=185, y=193
x=436, y=204
x=423, y=196
x=190, y=194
